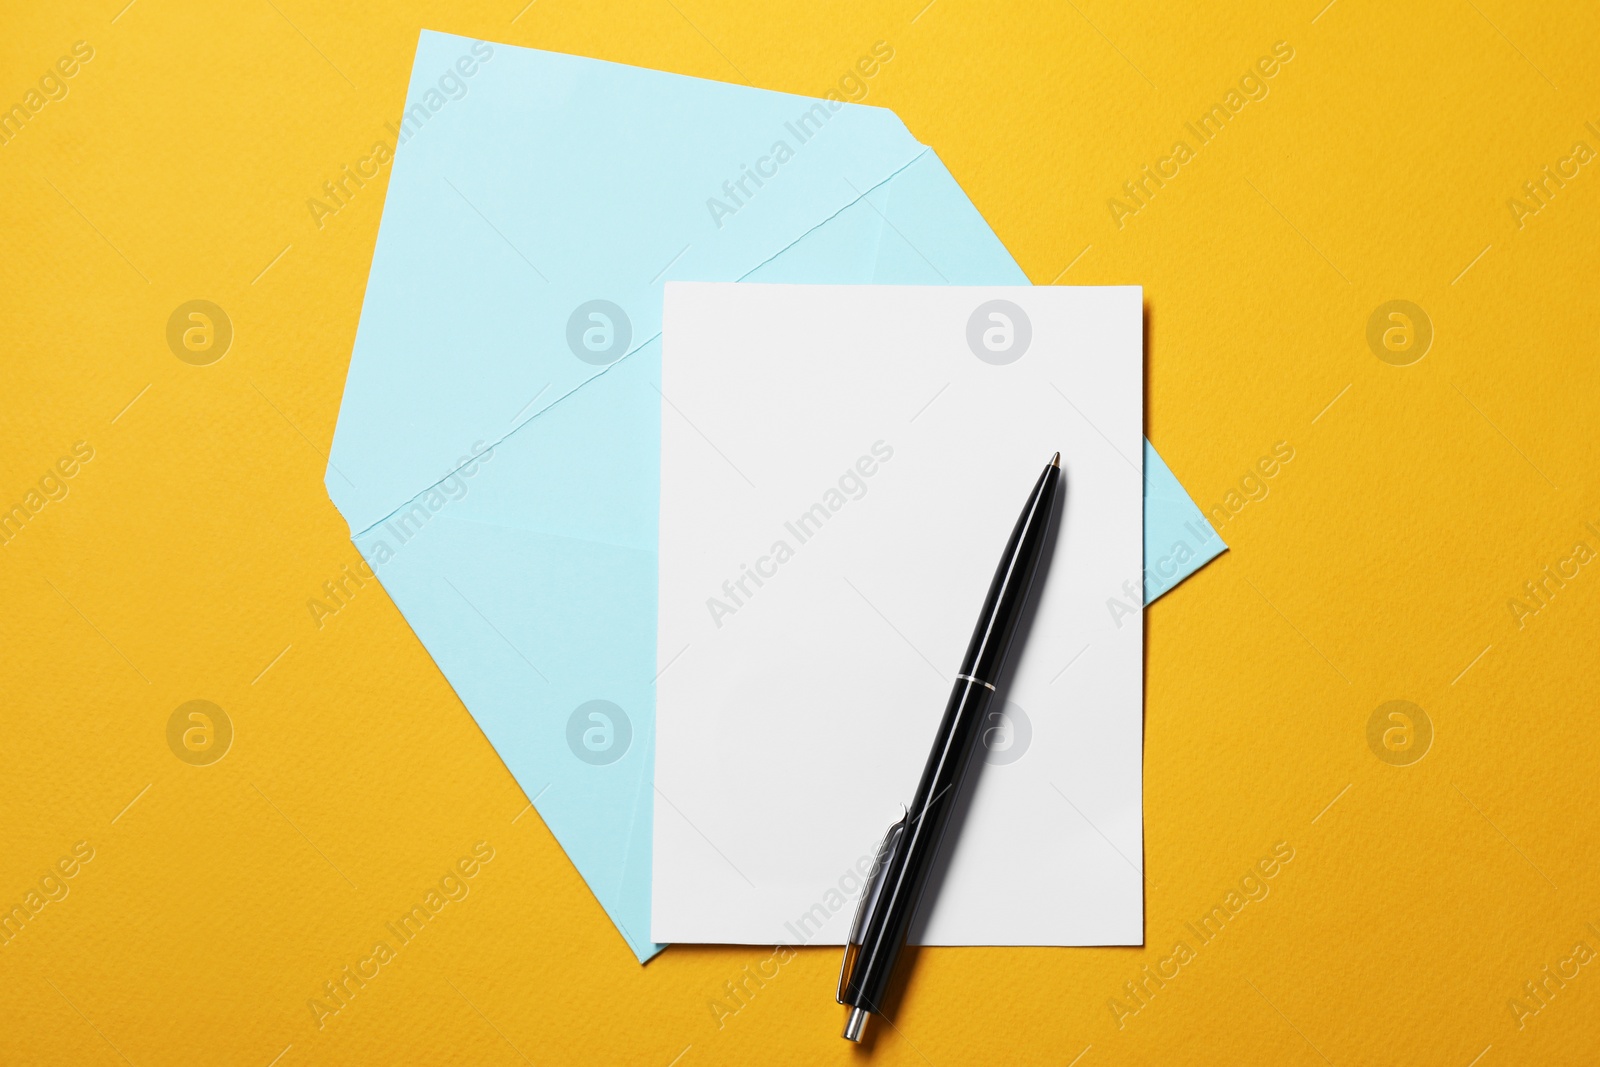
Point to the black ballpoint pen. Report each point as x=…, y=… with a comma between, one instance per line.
x=905, y=858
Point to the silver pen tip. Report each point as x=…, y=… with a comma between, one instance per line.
x=1055, y=460
x=853, y=1027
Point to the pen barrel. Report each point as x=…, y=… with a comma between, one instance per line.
x=907, y=868
x=905, y=871
x=1003, y=607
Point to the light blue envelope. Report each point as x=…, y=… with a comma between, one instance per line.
x=498, y=445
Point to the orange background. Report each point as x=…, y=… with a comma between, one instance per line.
x=1379, y=565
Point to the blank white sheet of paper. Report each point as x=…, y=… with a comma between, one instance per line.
x=840, y=469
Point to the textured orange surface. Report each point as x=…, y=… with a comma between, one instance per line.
x=210, y=899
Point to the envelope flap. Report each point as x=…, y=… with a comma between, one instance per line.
x=546, y=198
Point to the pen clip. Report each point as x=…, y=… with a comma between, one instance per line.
x=871, y=888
